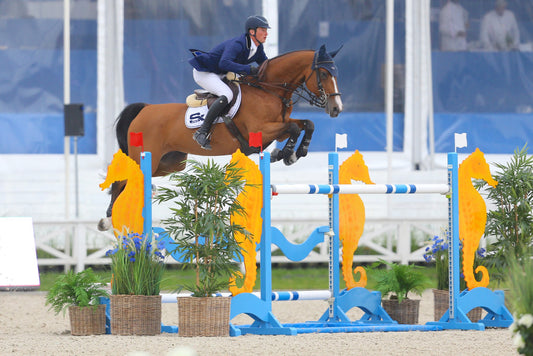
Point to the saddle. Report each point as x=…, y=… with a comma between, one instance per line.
x=202, y=97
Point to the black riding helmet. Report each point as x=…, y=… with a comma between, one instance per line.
x=253, y=22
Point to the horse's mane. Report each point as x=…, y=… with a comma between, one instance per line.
x=289, y=53
x=266, y=63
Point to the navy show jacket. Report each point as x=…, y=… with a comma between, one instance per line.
x=229, y=56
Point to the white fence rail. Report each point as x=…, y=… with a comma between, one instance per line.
x=79, y=244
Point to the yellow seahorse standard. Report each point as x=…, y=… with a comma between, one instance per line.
x=352, y=218
x=251, y=200
x=473, y=215
x=126, y=215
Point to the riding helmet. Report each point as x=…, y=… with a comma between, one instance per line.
x=253, y=22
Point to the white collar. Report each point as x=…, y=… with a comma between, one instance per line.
x=253, y=48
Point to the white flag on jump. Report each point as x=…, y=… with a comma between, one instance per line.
x=341, y=141
x=460, y=140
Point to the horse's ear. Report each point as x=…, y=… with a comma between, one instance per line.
x=322, y=50
x=334, y=53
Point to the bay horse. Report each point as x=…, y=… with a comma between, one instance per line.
x=266, y=106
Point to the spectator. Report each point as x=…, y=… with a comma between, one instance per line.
x=499, y=30
x=453, y=23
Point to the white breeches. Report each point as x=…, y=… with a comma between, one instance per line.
x=212, y=83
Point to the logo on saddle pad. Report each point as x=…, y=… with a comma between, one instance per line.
x=194, y=116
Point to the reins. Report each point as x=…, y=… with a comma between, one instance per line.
x=300, y=90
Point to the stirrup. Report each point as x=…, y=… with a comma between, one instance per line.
x=202, y=139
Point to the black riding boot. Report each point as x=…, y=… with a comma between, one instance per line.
x=202, y=134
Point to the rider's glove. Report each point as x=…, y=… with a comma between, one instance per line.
x=254, y=70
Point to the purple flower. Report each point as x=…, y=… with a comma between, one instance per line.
x=138, y=242
x=111, y=252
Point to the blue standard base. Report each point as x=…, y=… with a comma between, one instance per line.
x=314, y=327
x=317, y=327
x=493, y=302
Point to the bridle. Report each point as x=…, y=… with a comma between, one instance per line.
x=301, y=91
x=321, y=100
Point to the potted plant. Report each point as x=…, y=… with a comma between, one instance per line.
x=438, y=253
x=521, y=298
x=397, y=281
x=137, y=267
x=204, y=197
x=80, y=293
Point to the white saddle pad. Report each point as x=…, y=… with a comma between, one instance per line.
x=194, y=117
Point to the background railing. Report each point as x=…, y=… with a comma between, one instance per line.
x=78, y=244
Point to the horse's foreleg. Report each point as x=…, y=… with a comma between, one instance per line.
x=287, y=153
x=309, y=128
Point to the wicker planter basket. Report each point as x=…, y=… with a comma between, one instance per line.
x=441, y=303
x=207, y=316
x=87, y=320
x=405, y=312
x=135, y=314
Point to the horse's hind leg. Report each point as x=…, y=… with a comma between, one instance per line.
x=171, y=162
x=116, y=188
x=303, y=148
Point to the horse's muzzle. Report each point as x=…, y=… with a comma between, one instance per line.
x=334, y=105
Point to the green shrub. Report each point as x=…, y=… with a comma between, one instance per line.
x=81, y=289
x=398, y=280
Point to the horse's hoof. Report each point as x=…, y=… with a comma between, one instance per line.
x=274, y=155
x=104, y=224
x=301, y=152
x=290, y=159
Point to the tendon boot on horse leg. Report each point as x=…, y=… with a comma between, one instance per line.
x=287, y=153
x=309, y=128
x=202, y=134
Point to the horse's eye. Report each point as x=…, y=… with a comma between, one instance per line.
x=323, y=75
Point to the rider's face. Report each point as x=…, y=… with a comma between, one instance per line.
x=261, y=34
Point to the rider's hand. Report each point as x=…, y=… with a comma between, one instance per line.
x=254, y=70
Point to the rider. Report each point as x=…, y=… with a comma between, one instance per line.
x=234, y=55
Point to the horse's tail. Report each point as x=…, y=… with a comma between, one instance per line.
x=123, y=122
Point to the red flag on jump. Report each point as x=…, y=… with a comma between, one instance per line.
x=136, y=139
x=256, y=140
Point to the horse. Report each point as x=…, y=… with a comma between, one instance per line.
x=265, y=107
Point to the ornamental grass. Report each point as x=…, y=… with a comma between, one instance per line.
x=137, y=265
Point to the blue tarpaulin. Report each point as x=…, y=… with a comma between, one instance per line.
x=475, y=91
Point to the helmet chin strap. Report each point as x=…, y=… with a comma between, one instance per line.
x=255, y=35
